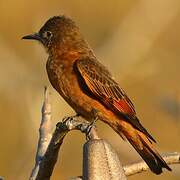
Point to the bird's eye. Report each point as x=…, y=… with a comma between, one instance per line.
x=47, y=34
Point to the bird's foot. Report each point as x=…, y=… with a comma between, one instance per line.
x=67, y=121
x=89, y=128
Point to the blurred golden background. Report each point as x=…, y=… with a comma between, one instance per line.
x=139, y=41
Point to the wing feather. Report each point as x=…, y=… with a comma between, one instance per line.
x=100, y=82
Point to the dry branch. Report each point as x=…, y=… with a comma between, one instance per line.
x=44, y=134
x=62, y=128
x=170, y=158
x=49, y=145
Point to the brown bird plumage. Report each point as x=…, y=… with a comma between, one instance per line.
x=88, y=87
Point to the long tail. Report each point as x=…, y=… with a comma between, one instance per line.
x=143, y=145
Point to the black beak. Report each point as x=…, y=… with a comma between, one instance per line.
x=34, y=36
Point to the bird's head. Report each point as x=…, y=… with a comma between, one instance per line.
x=57, y=31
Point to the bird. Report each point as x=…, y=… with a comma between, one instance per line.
x=89, y=87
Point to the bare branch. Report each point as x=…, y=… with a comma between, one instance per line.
x=49, y=145
x=62, y=128
x=170, y=158
x=44, y=133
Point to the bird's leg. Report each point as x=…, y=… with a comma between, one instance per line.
x=88, y=130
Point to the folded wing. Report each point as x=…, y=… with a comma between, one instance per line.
x=100, y=82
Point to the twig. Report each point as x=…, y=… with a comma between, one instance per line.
x=170, y=158
x=44, y=133
x=49, y=145
x=100, y=160
x=62, y=128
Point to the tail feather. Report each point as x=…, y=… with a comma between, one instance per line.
x=150, y=155
x=142, y=145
